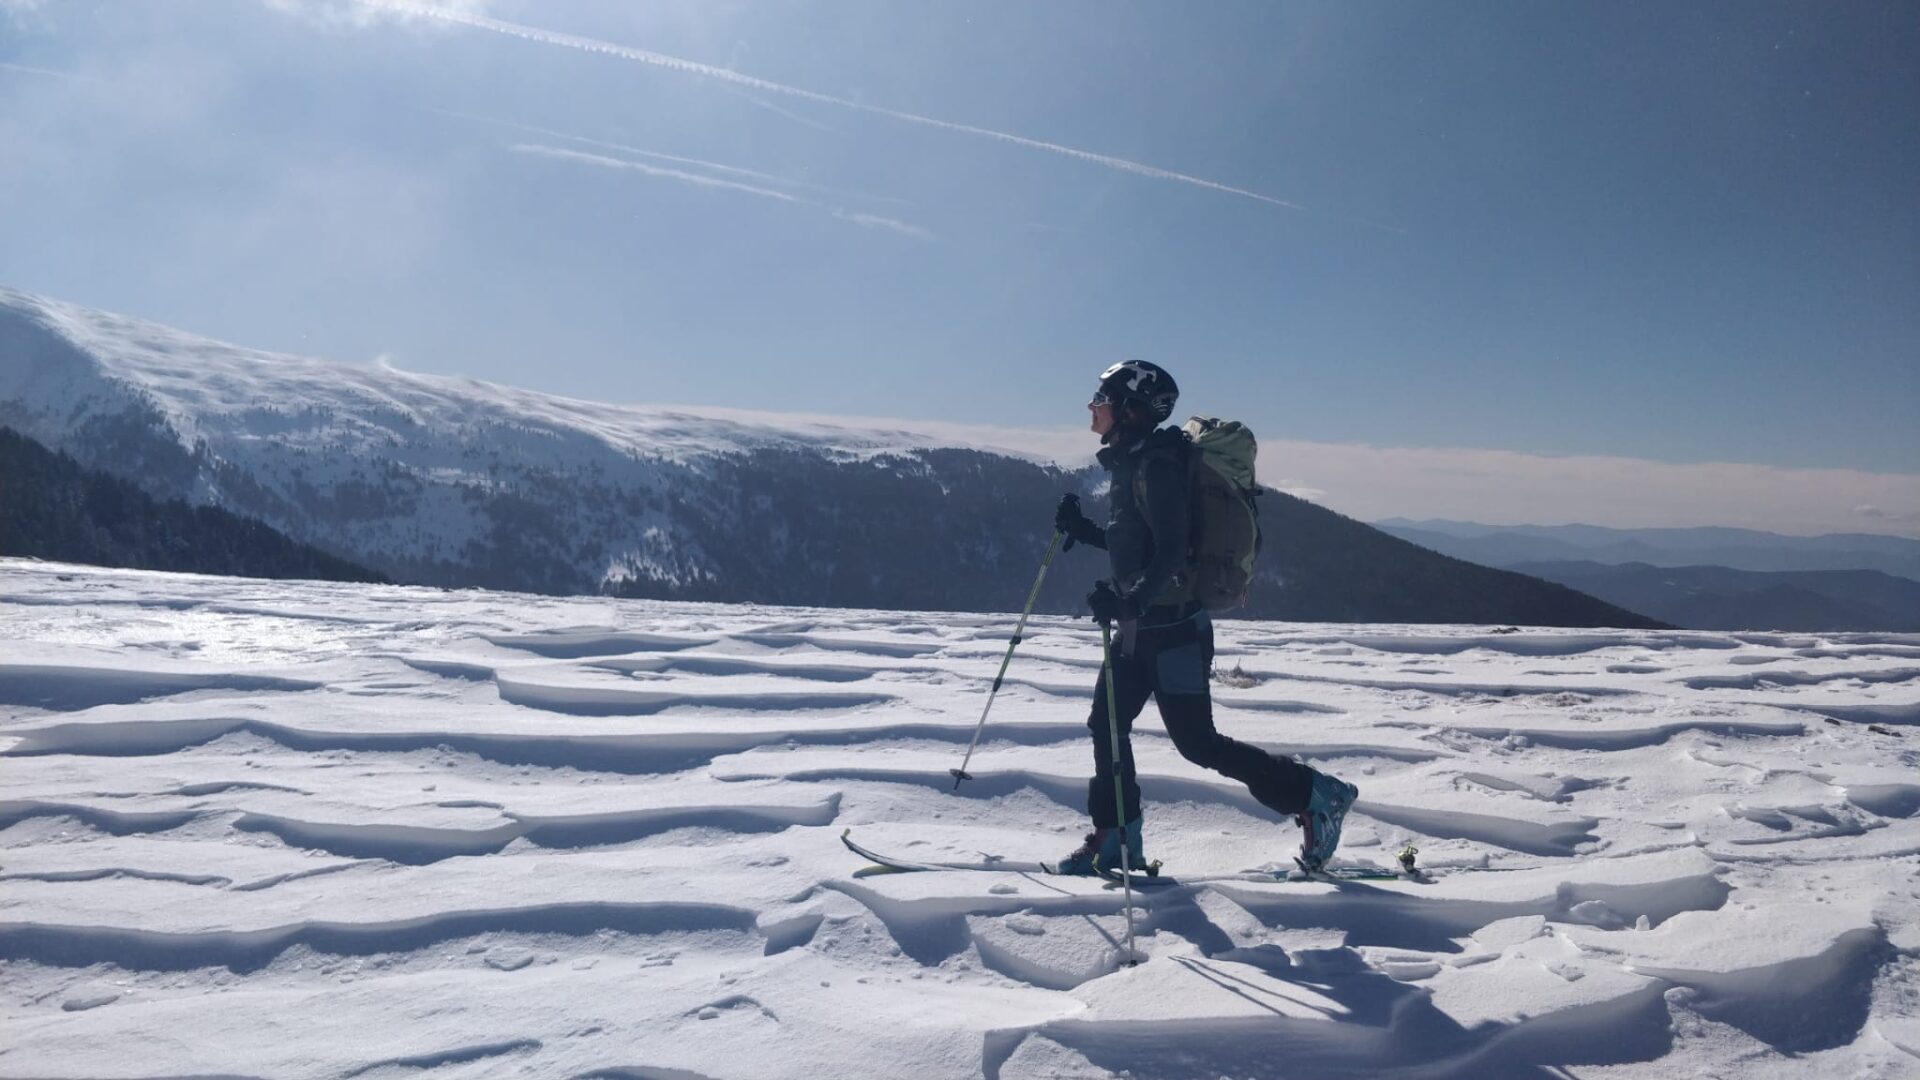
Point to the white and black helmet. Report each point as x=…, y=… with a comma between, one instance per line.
x=1139, y=382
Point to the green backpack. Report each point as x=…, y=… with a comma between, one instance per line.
x=1225, y=521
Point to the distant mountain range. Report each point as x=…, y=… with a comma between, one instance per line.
x=453, y=482
x=1737, y=549
x=1718, y=598
x=1708, y=578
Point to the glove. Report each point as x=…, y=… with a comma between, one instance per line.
x=1069, y=521
x=1105, y=604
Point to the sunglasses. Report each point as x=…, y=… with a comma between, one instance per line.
x=1099, y=399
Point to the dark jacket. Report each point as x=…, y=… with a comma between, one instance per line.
x=1147, y=521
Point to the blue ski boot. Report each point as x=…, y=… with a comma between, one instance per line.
x=1100, y=852
x=1320, y=821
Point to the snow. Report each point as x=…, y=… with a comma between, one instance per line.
x=210, y=390
x=297, y=829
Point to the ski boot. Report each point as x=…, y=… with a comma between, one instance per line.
x=1100, y=852
x=1320, y=821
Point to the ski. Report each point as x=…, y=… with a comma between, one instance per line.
x=1152, y=878
x=889, y=863
x=1331, y=874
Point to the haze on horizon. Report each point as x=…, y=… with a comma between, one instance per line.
x=1505, y=263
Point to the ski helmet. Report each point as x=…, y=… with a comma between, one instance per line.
x=1138, y=382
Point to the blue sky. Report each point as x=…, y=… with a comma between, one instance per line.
x=1683, y=233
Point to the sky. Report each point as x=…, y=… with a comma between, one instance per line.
x=1631, y=246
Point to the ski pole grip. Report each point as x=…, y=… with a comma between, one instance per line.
x=1069, y=499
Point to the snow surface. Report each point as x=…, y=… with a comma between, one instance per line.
x=295, y=829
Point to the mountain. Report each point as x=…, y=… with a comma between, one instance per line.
x=454, y=482
x=1718, y=598
x=52, y=508
x=1705, y=578
x=1322, y=566
x=1738, y=549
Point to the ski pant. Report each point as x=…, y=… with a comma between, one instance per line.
x=1171, y=664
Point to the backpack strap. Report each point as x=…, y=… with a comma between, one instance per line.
x=1169, y=444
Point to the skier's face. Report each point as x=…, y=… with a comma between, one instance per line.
x=1102, y=416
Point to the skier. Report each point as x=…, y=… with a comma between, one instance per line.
x=1165, y=643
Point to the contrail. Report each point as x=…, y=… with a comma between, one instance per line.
x=692, y=67
x=865, y=220
x=778, y=111
x=653, y=170
x=875, y=221
x=715, y=166
x=48, y=72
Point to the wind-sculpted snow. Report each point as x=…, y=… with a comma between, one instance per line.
x=571, y=646
x=415, y=845
x=250, y=950
x=1791, y=678
x=1451, y=641
x=64, y=688
x=300, y=830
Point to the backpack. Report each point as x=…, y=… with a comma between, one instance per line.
x=1225, y=521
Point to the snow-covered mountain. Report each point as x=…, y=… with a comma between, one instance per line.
x=452, y=482
x=458, y=482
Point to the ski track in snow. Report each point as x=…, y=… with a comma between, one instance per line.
x=309, y=830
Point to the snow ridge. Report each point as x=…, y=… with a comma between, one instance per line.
x=213, y=391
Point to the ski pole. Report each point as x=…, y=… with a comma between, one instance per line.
x=961, y=773
x=1119, y=796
